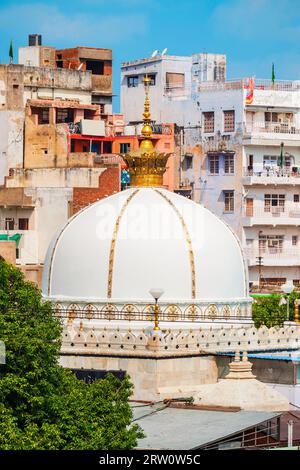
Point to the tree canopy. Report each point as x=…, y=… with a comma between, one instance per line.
x=43, y=405
x=270, y=312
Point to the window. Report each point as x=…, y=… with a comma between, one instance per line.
x=132, y=81
x=274, y=203
x=95, y=66
x=208, y=122
x=273, y=281
x=187, y=163
x=124, y=147
x=270, y=161
x=102, y=109
x=219, y=73
x=64, y=115
x=229, y=121
x=23, y=224
x=229, y=164
x=42, y=114
x=228, y=201
x=296, y=198
x=295, y=240
x=213, y=164
x=152, y=79
x=271, y=117
x=270, y=243
x=174, y=80
x=9, y=223
x=59, y=61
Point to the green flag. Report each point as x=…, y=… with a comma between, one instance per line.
x=11, y=52
x=280, y=159
x=273, y=74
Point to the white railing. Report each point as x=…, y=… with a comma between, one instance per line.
x=288, y=211
x=259, y=84
x=276, y=171
x=272, y=128
x=273, y=253
x=274, y=175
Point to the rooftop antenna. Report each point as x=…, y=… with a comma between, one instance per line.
x=164, y=51
x=155, y=53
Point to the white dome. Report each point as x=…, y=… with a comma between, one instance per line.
x=117, y=249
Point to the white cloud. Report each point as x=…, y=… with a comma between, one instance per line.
x=73, y=27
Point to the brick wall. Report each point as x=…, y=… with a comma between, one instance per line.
x=109, y=183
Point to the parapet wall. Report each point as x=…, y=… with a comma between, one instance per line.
x=80, y=338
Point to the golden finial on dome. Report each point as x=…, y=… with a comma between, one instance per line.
x=146, y=166
x=147, y=128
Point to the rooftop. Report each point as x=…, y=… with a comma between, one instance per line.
x=176, y=428
x=155, y=59
x=259, y=84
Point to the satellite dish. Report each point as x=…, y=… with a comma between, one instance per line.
x=155, y=53
x=164, y=51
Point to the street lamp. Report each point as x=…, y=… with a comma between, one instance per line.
x=287, y=289
x=156, y=294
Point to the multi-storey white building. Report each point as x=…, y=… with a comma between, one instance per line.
x=241, y=158
x=250, y=171
x=173, y=79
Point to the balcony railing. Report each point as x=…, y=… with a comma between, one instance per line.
x=273, y=256
x=266, y=127
x=275, y=214
x=259, y=84
x=274, y=175
x=278, y=172
x=273, y=253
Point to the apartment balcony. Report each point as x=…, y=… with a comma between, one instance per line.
x=271, y=133
x=273, y=256
x=274, y=216
x=276, y=176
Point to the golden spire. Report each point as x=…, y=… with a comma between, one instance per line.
x=147, y=130
x=146, y=166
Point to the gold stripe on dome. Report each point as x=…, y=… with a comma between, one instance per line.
x=113, y=244
x=188, y=241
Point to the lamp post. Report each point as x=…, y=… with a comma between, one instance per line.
x=296, y=311
x=156, y=294
x=287, y=289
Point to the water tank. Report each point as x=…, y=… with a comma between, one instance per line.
x=34, y=39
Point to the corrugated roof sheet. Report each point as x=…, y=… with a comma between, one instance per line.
x=175, y=428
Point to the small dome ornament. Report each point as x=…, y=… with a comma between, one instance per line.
x=146, y=166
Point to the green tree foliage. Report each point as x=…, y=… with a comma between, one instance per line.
x=268, y=311
x=42, y=405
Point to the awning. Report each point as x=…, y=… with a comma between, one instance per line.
x=13, y=238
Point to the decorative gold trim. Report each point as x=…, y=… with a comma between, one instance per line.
x=238, y=311
x=226, y=311
x=188, y=240
x=211, y=311
x=172, y=312
x=192, y=312
x=113, y=244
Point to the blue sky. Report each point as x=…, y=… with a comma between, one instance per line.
x=253, y=33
